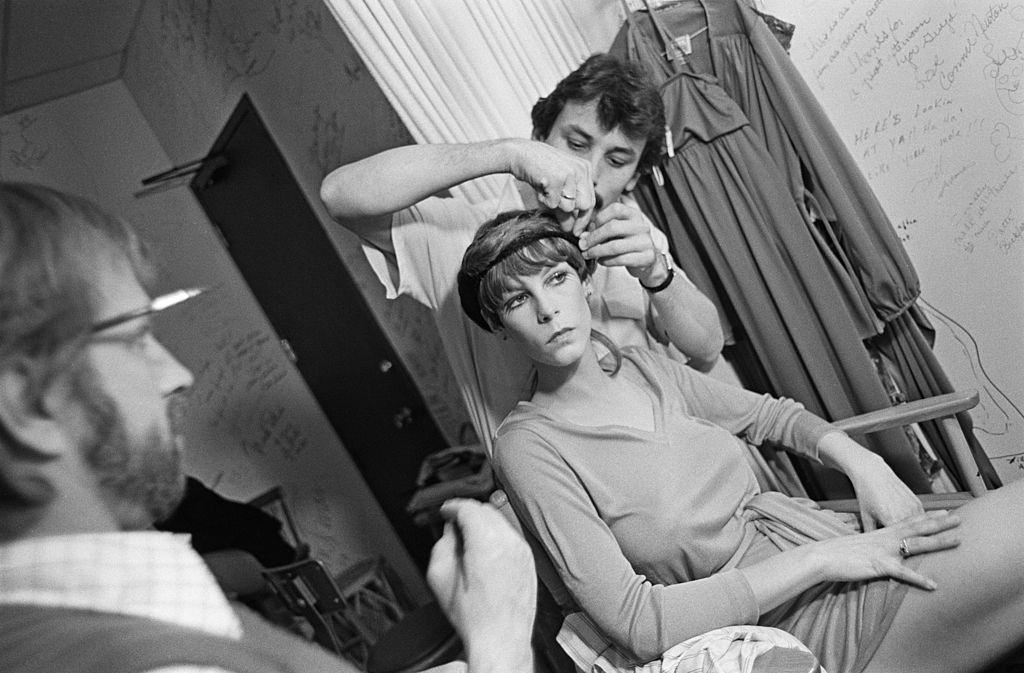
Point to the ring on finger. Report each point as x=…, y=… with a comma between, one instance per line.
x=571, y=197
x=904, y=548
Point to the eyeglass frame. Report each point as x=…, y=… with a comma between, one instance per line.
x=157, y=305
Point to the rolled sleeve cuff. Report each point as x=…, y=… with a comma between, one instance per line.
x=738, y=593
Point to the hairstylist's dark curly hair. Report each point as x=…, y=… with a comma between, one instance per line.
x=626, y=96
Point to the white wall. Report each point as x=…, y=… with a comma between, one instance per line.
x=241, y=438
x=929, y=98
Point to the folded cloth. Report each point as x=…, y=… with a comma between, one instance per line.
x=740, y=649
x=731, y=649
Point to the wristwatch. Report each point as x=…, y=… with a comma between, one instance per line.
x=668, y=279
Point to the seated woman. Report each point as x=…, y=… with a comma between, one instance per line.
x=632, y=477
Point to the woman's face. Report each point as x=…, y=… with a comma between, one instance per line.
x=546, y=314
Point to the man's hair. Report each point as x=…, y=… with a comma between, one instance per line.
x=626, y=96
x=51, y=248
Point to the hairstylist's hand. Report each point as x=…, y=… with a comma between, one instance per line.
x=561, y=180
x=483, y=575
x=865, y=556
x=621, y=236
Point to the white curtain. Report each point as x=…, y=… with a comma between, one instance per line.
x=467, y=70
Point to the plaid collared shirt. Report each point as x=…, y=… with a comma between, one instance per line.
x=145, y=574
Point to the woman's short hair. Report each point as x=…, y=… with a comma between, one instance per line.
x=626, y=96
x=519, y=243
x=51, y=247
x=515, y=243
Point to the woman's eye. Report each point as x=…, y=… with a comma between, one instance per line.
x=558, y=277
x=515, y=301
x=576, y=145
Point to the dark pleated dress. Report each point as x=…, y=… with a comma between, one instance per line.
x=770, y=216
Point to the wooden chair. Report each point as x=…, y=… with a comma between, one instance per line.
x=241, y=577
x=372, y=604
x=308, y=591
x=941, y=408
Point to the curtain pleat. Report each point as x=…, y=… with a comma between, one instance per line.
x=469, y=70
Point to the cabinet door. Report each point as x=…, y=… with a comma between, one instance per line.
x=287, y=259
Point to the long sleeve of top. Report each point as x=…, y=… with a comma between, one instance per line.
x=645, y=528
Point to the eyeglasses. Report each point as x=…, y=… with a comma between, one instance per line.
x=161, y=303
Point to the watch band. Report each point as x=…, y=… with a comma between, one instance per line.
x=668, y=279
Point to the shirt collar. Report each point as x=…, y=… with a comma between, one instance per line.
x=146, y=574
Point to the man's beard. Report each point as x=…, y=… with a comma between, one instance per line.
x=141, y=483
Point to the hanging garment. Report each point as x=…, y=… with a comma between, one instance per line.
x=770, y=216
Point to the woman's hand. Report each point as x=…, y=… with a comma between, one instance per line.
x=880, y=553
x=884, y=498
x=852, y=558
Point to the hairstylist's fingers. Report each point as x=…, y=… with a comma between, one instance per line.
x=617, y=218
x=570, y=216
x=627, y=260
x=576, y=207
x=582, y=195
x=607, y=247
x=575, y=222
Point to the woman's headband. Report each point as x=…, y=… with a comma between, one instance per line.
x=469, y=282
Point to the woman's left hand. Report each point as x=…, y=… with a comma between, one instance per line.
x=884, y=498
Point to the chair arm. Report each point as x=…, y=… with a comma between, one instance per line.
x=941, y=407
x=909, y=412
x=931, y=501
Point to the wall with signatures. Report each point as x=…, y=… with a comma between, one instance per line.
x=929, y=98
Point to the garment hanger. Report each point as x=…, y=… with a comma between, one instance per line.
x=674, y=48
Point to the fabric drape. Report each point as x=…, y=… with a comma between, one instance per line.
x=466, y=70
x=771, y=217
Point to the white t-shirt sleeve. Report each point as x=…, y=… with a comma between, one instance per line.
x=429, y=240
